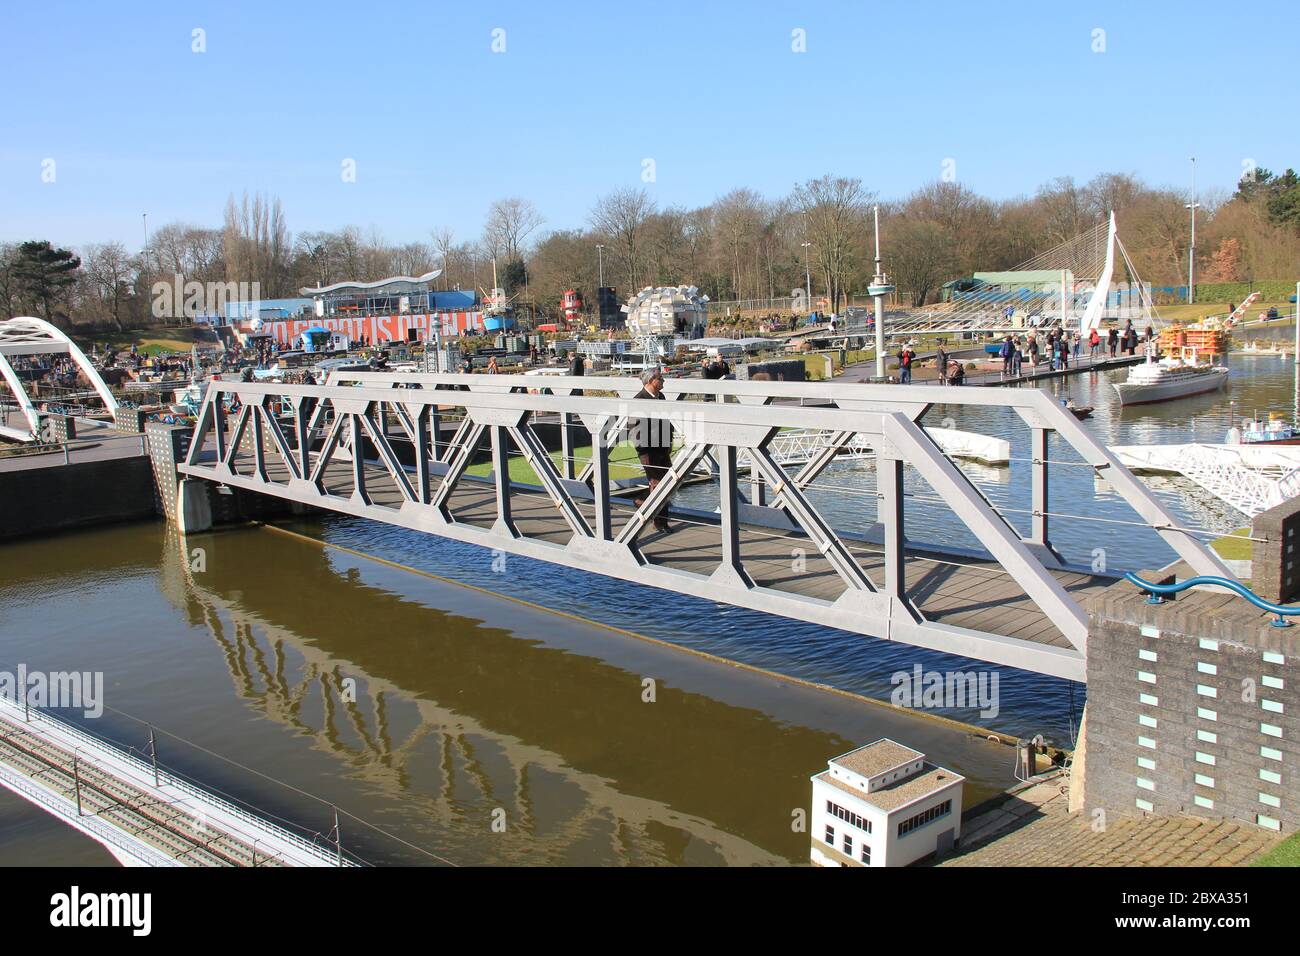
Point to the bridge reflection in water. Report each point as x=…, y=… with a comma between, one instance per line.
x=453, y=718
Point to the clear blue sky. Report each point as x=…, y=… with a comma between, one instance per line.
x=711, y=91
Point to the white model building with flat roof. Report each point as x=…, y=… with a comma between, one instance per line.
x=883, y=805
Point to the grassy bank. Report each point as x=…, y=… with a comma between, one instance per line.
x=1233, y=547
x=1286, y=853
x=1200, y=310
x=148, y=341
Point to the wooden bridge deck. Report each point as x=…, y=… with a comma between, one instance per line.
x=966, y=592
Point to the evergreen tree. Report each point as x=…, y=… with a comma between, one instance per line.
x=514, y=276
x=44, y=274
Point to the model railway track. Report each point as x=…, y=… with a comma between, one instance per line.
x=175, y=832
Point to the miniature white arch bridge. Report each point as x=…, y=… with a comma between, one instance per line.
x=26, y=335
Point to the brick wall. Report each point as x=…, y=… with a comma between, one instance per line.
x=168, y=446
x=128, y=420
x=1192, y=707
x=1275, y=570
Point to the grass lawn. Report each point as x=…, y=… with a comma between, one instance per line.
x=623, y=463
x=1286, y=853
x=1233, y=547
x=148, y=341
x=1200, y=310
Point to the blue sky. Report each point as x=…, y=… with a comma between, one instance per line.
x=711, y=91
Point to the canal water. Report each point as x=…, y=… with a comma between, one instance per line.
x=446, y=723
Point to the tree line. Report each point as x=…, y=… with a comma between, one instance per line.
x=742, y=246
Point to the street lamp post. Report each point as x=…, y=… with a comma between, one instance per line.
x=879, y=288
x=1191, y=249
x=807, y=275
x=600, y=259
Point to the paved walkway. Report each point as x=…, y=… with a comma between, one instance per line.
x=92, y=444
x=989, y=370
x=1033, y=828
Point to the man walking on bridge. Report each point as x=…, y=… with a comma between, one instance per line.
x=653, y=438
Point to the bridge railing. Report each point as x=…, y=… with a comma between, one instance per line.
x=1040, y=412
x=333, y=446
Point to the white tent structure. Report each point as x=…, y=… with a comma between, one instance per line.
x=26, y=335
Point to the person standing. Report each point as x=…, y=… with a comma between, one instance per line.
x=1094, y=340
x=941, y=363
x=492, y=366
x=577, y=368
x=715, y=369
x=1005, y=354
x=1017, y=358
x=1112, y=341
x=653, y=439
x=905, y=357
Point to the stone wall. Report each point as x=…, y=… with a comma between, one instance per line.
x=62, y=497
x=1192, y=707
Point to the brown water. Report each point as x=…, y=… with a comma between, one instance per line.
x=428, y=710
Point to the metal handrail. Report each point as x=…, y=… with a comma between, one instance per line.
x=1156, y=590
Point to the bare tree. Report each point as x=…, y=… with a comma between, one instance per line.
x=110, y=269
x=256, y=243
x=444, y=241
x=920, y=256
x=1112, y=192
x=621, y=217
x=509, y=224
x=738, y=221
x=834, y=209
x=1066, y=207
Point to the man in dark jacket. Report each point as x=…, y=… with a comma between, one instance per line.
x=577, y=368
x=653, y=438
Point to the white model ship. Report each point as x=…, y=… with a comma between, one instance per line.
x=1168, y=378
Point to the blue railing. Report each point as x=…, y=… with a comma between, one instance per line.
x=1155, y=591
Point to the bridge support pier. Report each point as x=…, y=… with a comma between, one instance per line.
x=193, y=510
x=1193, y=707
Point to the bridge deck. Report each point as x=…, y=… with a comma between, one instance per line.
x=962, y=591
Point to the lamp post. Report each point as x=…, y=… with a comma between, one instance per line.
x=807, y=274
x=600, y=259
x=1191, y=249
x=879, y=288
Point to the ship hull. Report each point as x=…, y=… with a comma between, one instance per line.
x=1147, y=394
